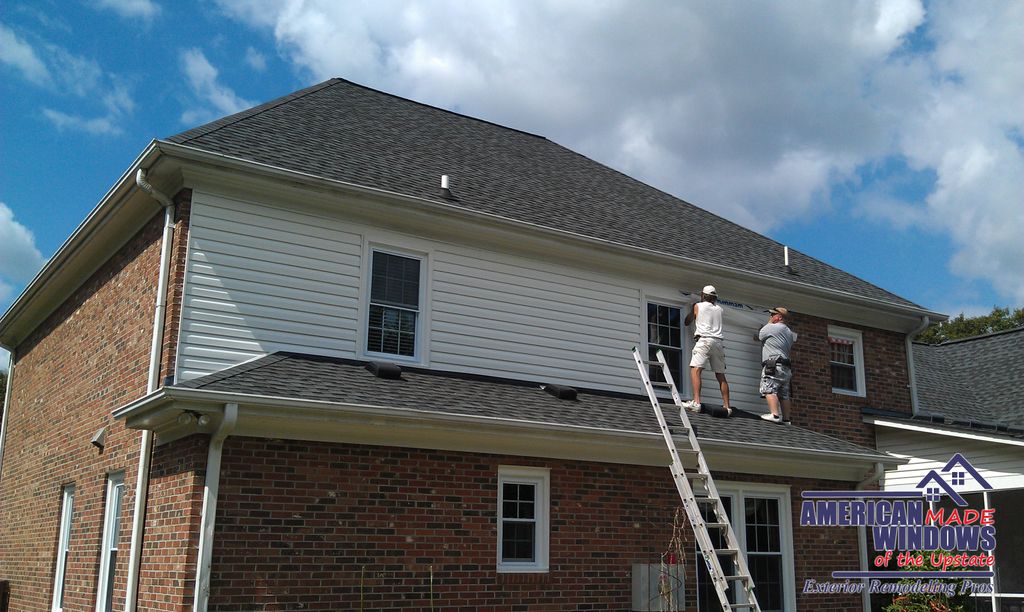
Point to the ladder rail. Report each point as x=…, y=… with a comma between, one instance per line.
x=709, y=551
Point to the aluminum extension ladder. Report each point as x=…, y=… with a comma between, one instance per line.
x=700, y=476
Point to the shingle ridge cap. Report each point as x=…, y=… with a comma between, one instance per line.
x=442, y=109
x=218, y=124
x=1001, y=332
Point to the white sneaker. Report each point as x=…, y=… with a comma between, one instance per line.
x=692, y=406
x=772, y=417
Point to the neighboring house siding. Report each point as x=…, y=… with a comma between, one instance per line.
x=335, y=524
x=1001, y=465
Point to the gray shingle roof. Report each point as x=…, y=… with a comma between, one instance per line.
x=311, y=377
x=978, y=379
x=342, y=131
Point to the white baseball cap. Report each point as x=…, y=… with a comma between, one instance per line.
x=709, y=290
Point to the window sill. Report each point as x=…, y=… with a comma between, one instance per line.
x=849, y=393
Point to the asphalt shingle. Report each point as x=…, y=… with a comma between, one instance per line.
x=311, y=377
x=342, y=131
x=978, y=379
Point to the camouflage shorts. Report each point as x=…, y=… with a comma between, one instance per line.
x=777, y=384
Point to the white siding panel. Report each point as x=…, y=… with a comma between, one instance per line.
x=262, y=279
x=1001, y=465
x=532, y=320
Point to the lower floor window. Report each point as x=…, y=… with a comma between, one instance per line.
x=762, y=528
x=523, y=519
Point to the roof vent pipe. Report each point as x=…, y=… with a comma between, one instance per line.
x=445, y=192
x=785, y=259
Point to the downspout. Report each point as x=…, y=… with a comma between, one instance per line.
x=877, y=474
x=146, y=446
x=7, y=410
x=911, y=374
x=208, y=518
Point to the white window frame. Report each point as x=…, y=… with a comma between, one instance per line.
x=418, y=356
x=857, y=338
x=112, y=515
x=739, y=492
x=541, y=479
x=683, y=386
x=67, y=512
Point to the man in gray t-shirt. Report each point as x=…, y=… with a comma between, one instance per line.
x=776, y=371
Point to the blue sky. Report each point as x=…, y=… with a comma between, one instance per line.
x=883, y=138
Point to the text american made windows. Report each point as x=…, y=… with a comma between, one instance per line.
x=394, y=308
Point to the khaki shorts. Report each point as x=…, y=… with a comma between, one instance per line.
x=709, y=353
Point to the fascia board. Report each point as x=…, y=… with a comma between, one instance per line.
x=101, y=233
x=907, y=318
x=299, y=419
x=936, y=431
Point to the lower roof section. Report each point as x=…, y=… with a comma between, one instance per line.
x=297, y=396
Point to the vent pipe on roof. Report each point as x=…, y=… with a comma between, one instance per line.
x=445, y=192
x=785, y=259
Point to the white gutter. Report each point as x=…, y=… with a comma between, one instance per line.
x=911, y=372
x=7, y=410
x=146, y=445
x=862, y=533
x=208, y=520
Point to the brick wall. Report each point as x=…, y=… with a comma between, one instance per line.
x=318, y=526
x=175, y=283
x=816, y=407
x=86, y=359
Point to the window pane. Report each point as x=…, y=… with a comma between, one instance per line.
x=707, y=598
x=664, y=331
x=1009, y=507
x=395, y=280
x=766, y=570
x=844, y=377
x=841, y=352
x=517, y=543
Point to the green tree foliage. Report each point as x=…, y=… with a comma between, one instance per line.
x=999, y=319
x=929, y=602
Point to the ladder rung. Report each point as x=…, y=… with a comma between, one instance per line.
x=716, y=525
x=705, y=500
x=736, y=577
x=662, y=384
x=727, y=551
x=654, y=362
x=695, y=475
x=743, y=605
x=689, y=451
x=678, y=431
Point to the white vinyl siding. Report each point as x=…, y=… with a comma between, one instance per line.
x=532, y=321
x=1002, y=465
x=263, y=279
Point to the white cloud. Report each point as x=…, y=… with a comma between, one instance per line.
x=20, y=55
x=213, y=97
x=5, y=360
x=752, y=110
x=131, y=9
x=19, y=257
x=94, y=125
x=256, y=60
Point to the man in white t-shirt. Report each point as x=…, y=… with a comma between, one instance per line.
x=708, y=351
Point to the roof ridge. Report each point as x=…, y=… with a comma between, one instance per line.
x=218, y=124
x=1000, y=332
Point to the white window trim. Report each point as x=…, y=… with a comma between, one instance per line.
x=683, y=386
x=858, y=358
x=541, y=478
x=109, y=525
x=67, y=511
x=739, y=491
x=419, y=356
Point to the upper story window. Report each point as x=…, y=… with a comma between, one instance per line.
x=665, y=333
x=394, y=309
x=523, y=519
x=846, y=360
x=67, y=511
